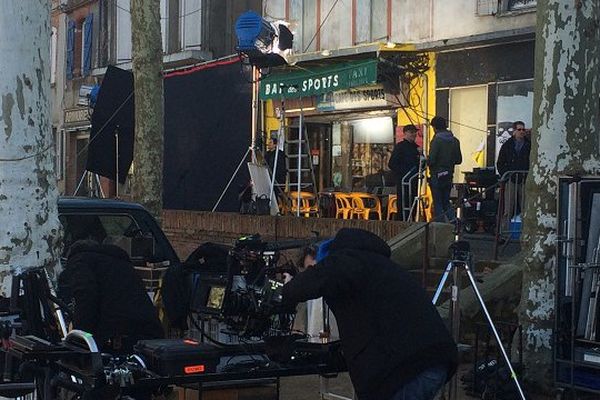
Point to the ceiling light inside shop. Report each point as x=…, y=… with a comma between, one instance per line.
x=293, y=110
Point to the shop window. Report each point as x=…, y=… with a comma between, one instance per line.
x=370, y=142
x=514, y=103
x=191, y=24
x=372, y=146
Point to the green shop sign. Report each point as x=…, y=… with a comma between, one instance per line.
x=315, y=81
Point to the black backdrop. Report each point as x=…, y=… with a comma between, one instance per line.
x=207, y=131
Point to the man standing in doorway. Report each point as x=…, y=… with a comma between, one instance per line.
x=404, y=162
x=514, y=156
x=443, y=157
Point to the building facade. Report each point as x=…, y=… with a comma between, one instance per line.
x=89, y=35
x=477, y=72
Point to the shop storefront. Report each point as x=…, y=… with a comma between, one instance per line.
x=349, y=118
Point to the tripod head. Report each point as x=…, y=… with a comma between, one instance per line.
x=461, y=251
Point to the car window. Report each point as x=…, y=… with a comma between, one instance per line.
x=119, y=229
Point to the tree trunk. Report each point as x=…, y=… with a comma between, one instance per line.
x=565, y=141
x=148, y=83
x=30, y=230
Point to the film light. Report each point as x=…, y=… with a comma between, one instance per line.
x=263, y=43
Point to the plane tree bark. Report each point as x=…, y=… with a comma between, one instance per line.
x=148, y=82
x=565, y=141
x=29, y=226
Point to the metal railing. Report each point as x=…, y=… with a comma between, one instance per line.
x=510, y=207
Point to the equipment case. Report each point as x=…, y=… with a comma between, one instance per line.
x=178, y=357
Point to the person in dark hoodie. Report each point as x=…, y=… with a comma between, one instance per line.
x=444, y=154
x=110, y=301
x=395, y=344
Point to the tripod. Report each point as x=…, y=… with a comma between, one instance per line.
x=461, y=260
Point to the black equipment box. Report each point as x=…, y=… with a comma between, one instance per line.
x=481, y=177
x=178, y=357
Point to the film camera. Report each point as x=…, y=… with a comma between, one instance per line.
x=245, y=292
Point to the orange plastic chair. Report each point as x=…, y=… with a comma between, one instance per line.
x=343, y=205
x=364, y=204
x=308, y=204
x=392, y=207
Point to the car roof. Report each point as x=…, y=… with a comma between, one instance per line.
x=92, y=203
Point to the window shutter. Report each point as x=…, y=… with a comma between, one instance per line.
x=87, y=50
x=70, y=48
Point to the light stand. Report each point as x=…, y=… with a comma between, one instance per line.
x=117, y=162
x=461, y=260
x=95, y=179
x=244, y=157
x=299, y=173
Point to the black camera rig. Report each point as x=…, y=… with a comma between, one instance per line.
x=246, y=293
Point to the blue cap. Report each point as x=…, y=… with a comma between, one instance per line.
x=323, y=250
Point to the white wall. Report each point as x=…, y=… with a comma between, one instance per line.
x=413, y=21
x=450, y=19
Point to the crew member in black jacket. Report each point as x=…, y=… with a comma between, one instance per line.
x=109, y=298
x=394, y=342
x=405, y=159
x=514, y=156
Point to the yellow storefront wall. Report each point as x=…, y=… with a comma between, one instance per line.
x=420, y=110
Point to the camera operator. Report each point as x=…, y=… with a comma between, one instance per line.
x=394, y=342
x=310, y=314
x=110, y=301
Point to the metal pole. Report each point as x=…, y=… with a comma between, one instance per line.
x=299, y=175
x=80, y=183
x=440, y=287
x=232, y=178
x=569, y=244
x=117, y=162
x=102, y=196
x=279, y=143
x=255, y=87
x=455, y=322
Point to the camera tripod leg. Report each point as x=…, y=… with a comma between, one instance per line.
x=513, y=374
x=442, y=283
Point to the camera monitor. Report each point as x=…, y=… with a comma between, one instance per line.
x=209, y=295
x=216, y=297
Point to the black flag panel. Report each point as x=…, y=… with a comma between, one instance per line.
x=207, y=131
x=113, y=122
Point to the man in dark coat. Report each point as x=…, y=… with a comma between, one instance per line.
x=109, y=297
x=404, y=160
x=444, y=155
x=514, y=156
x=393, y=339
